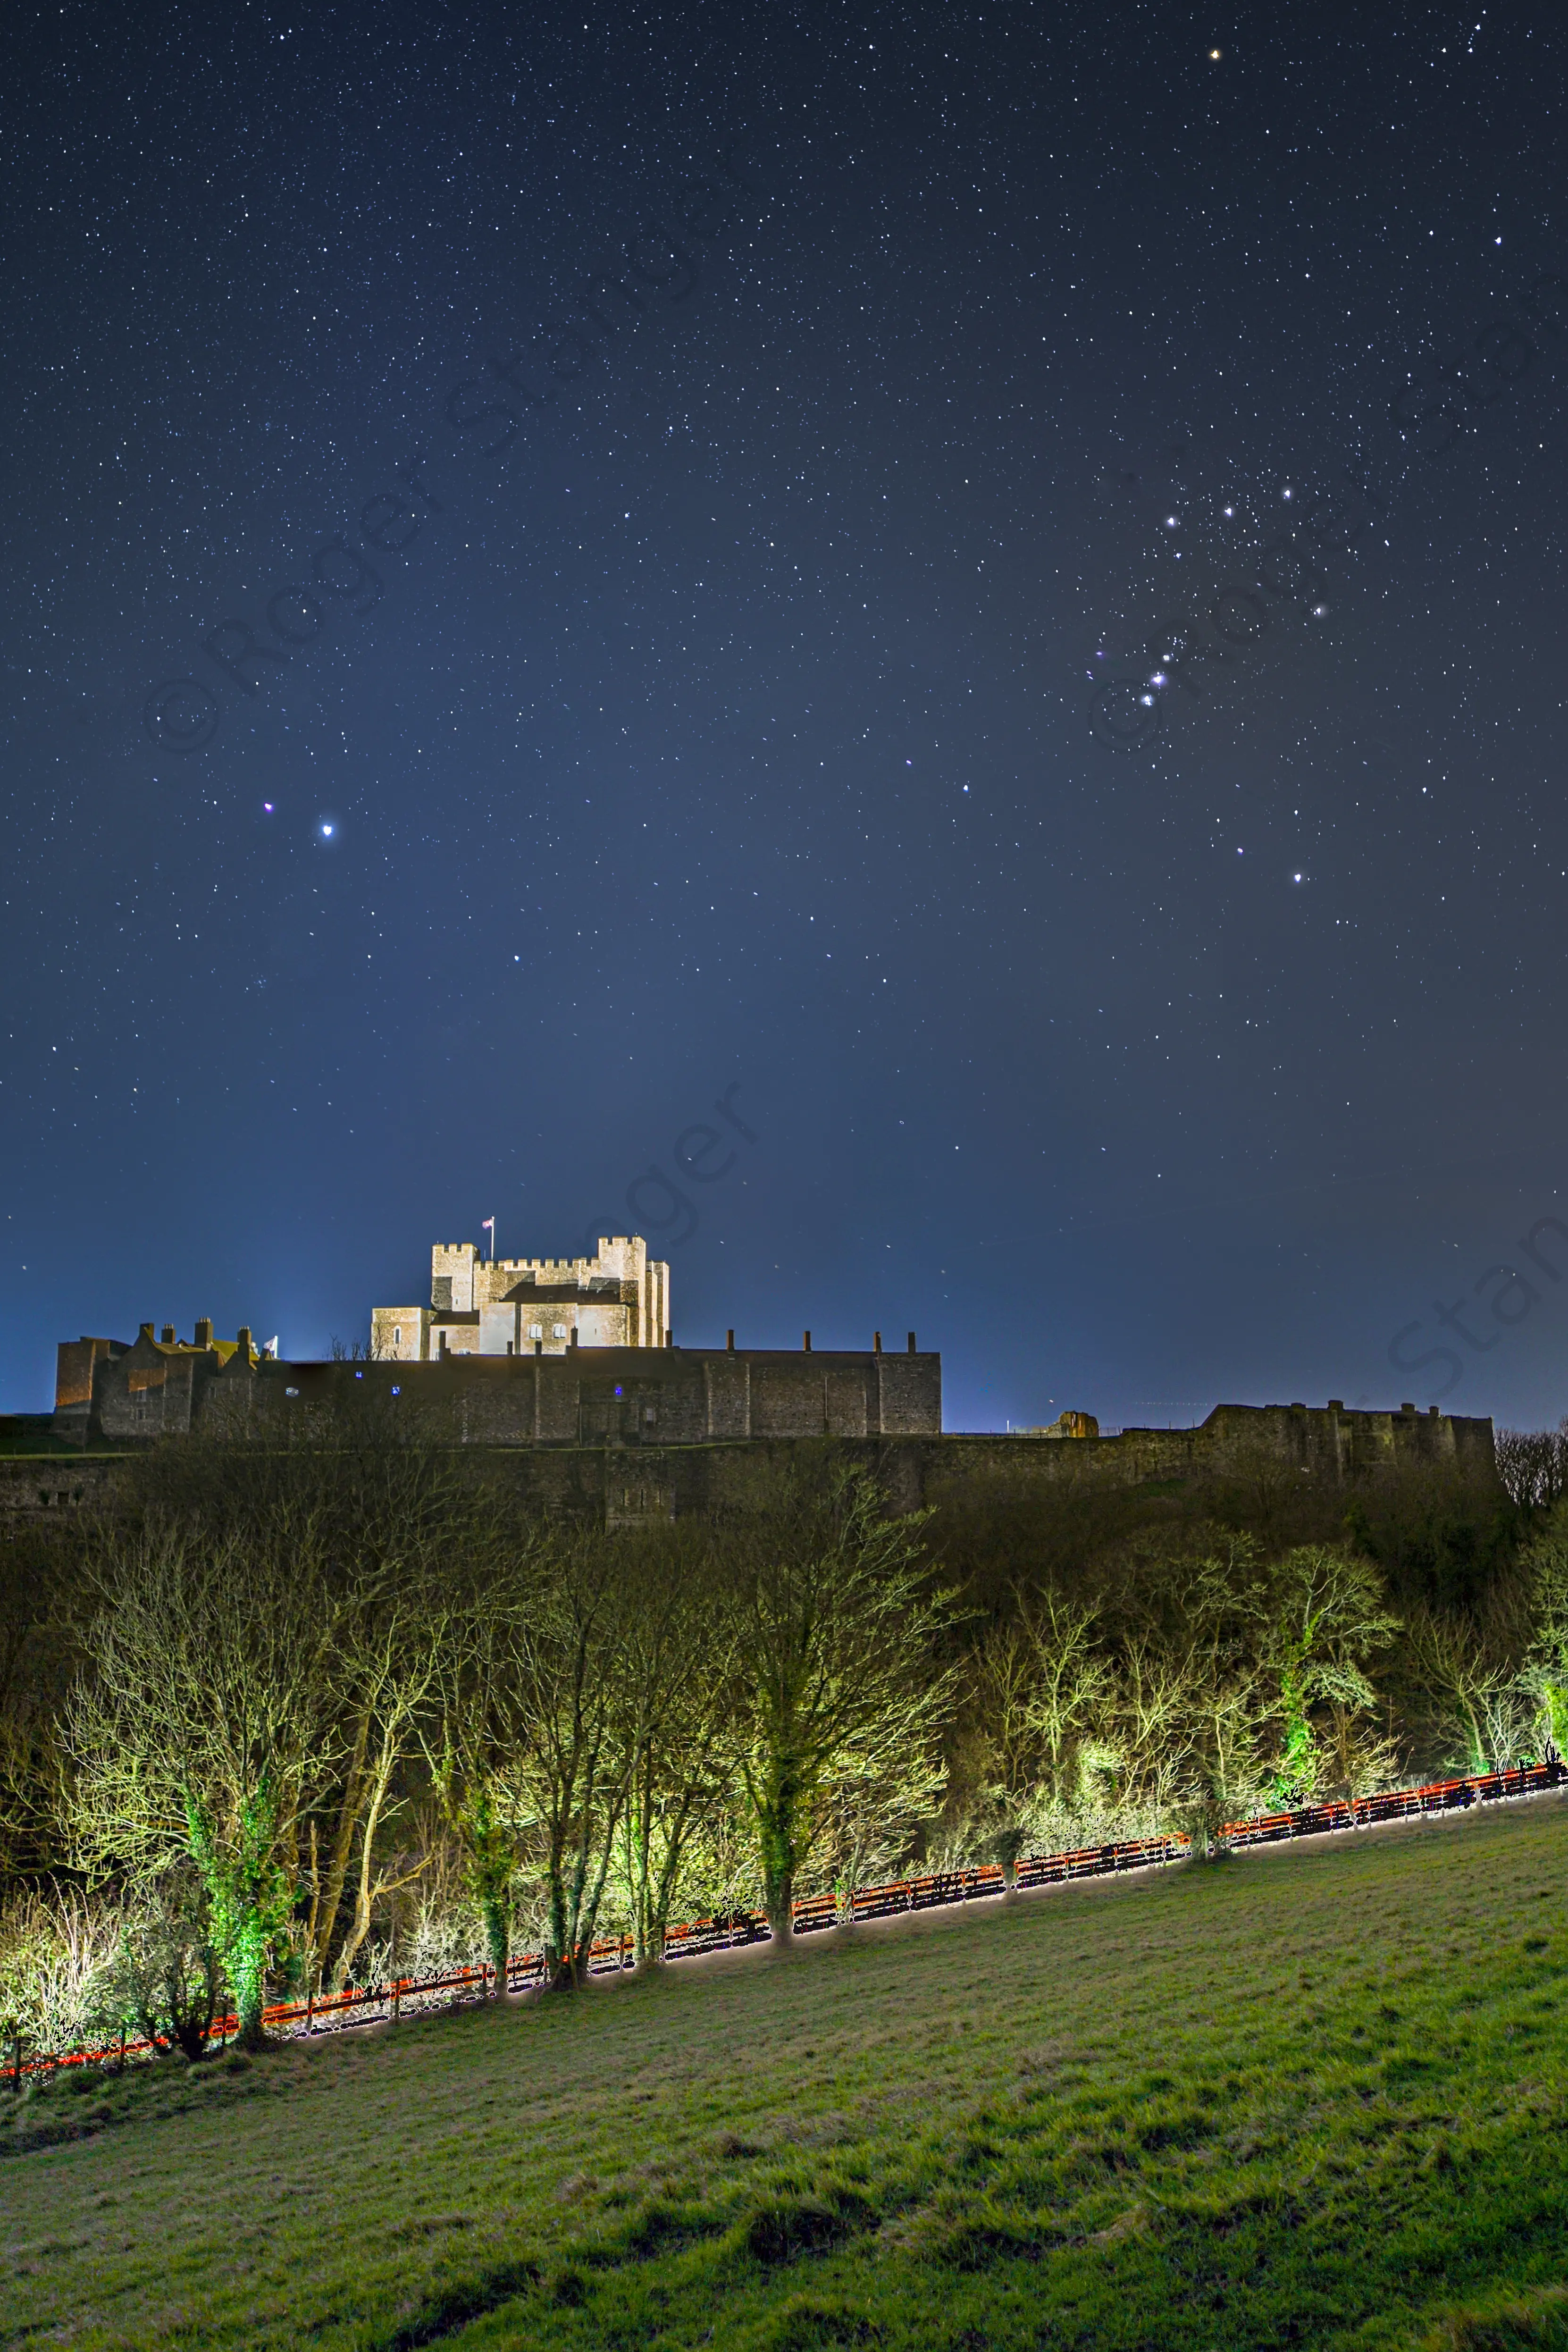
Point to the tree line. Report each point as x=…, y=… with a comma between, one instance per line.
x=285, y=1719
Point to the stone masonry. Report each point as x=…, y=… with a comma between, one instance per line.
x=524, y=1306
x=107, y=1390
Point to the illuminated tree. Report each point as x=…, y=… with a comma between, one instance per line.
x=247, y=1701
x=679, y=1670
x=1326, y=1618
x=1038, y=1719
x=1545, y=1671
x=838, y=1630
x=566, y=1695
x=211, y=1720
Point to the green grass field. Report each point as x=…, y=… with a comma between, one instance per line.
x=1306, y=2097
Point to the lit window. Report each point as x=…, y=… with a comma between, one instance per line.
x=536, y=1330
x=560, y=1330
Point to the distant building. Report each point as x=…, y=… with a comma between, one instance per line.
x=529, y=1306
x=111, y=1389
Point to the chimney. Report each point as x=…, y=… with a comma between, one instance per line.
x=911, y=1343
x=204, y=1338
x=669, y=1339
x=539, y=1346
x=806, y=1343
x=241, y=1340
x=168, y=1334
x=729, y=1342
x=574, y=1335
x=877, y=1343
x=144, y=1332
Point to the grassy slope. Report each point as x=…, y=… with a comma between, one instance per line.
x=1308, y=2097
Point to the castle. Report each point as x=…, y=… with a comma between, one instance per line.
x=529, y=1306
x=513, y=1352
x=564, y=1364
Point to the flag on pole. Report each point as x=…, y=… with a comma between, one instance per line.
x=487, y=1225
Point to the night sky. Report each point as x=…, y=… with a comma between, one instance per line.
x=562, y=567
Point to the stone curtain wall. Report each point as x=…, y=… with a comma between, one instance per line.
x=607, y=1396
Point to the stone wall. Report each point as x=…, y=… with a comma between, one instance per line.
x=590, y=1396
x=1324, y=1442
x=36, y=1490
x=553, y=1469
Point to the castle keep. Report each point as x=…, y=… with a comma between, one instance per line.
x=529, y=1306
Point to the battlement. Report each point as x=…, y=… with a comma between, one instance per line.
x=516, y=1306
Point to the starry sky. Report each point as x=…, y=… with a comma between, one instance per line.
x=918, y=650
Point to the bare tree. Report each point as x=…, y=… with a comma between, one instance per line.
x=870, y=1818
x=838, y=1629
x=569, y=1669
x=1326, y=1618
x=1545, y=1671
x=680, y=1665
x=1477, y=1703
x=584, y=1656
x=209, y=1725
x=1039, y=1716
x=1204, y=1688
x=249, y=1702
x=1533, y=1465
x=486, y=1725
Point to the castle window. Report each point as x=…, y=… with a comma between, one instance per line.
x=397, y=1335
x=559, y=1330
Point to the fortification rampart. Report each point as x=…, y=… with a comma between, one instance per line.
x=557, y=1466
x=619, y=1397
x=1325, y=1442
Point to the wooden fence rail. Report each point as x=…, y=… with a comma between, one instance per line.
x=410, y=1996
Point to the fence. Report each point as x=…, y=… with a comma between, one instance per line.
x=467, y=1987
